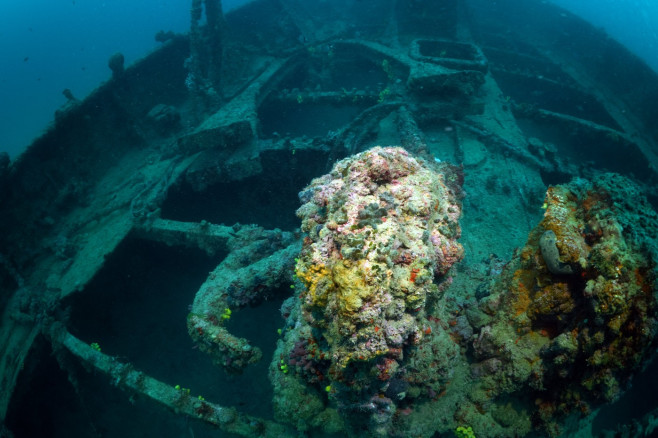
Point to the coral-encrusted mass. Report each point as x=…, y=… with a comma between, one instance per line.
x=575, y=312
x=381, y=226
x=381, y=232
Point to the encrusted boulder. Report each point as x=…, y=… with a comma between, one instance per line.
x=381, y=232
x=576, y=313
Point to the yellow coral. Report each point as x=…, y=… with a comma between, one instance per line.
x=317, y=279
x=347, y=280
x=352, y=288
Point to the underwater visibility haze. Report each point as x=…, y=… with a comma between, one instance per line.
x=386, y=218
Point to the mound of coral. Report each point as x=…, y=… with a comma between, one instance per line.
x=381, y=232
x=574, y=314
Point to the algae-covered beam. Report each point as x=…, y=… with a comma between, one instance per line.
x=215, y=25
x=355, y=134
x=491, y=139
x=126, y=377
x=261, y=263
x=206, y=52
x=411, y=135
x=203, y=235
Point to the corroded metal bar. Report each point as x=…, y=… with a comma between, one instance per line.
x=126, y=377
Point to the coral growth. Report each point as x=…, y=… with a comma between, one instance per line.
x=381, y=235
x=576, y=310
